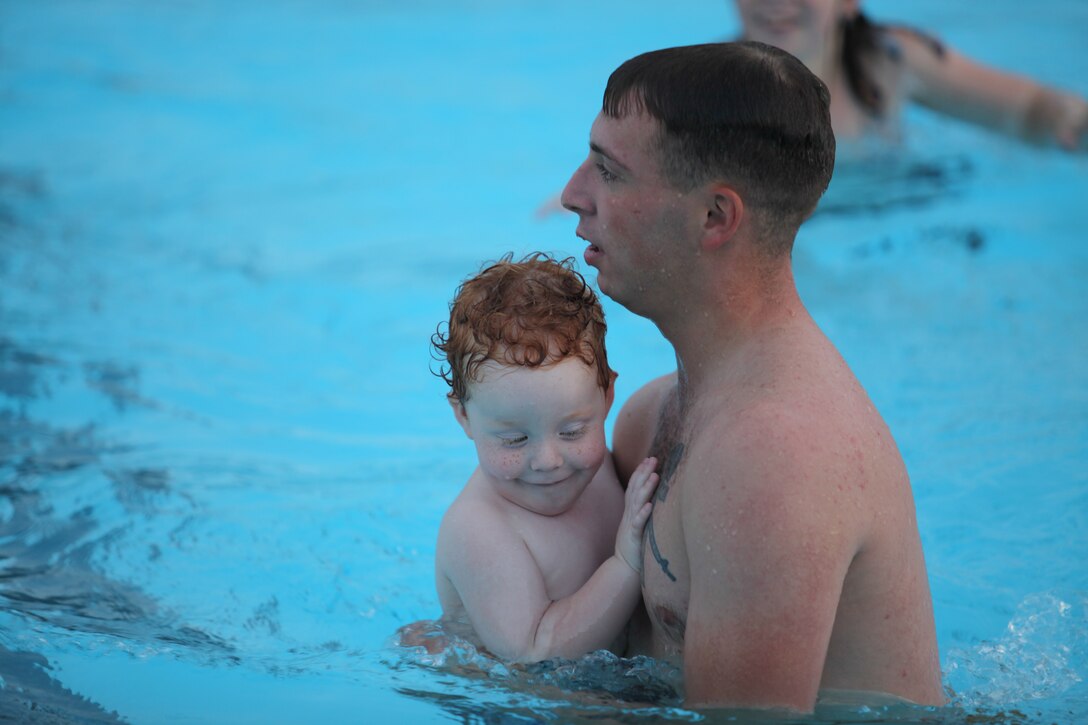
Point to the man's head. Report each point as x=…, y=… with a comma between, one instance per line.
x=535, y=312
x=746, y=114
x=690, y=142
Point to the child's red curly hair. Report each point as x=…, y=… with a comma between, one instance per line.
x=534, y=312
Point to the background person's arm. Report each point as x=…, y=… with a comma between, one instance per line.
x=955, y=85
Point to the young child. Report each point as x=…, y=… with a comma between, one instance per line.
x=540, y=555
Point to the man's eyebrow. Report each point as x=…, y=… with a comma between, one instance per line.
x=597, y=149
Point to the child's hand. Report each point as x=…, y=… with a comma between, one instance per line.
x=636, y=512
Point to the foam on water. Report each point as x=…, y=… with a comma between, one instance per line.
x=1042, y=655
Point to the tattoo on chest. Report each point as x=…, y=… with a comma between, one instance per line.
x=668, y=468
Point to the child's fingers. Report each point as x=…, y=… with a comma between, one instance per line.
x=639, y=511
x=647, y=465
x=646, y=490
x=641, y=491
x=643, y=472
x=635, y=522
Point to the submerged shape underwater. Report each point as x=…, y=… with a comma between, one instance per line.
x=227, y=232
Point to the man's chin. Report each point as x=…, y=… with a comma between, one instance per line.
x=607, y=285
x=631, y=301
x=606, y=289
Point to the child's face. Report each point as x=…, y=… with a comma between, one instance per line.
x=539, y=432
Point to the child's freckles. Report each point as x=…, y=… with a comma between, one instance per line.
x=509, y=464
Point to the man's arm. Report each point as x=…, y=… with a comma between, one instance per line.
x=767, y=557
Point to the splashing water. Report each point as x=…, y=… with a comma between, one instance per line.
x=1042, y=655
x=597, y=681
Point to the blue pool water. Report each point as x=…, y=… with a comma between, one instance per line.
x=227, y=231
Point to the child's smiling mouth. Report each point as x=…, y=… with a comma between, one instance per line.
x=554, y=482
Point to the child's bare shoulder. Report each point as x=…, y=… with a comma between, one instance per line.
x=472, y=526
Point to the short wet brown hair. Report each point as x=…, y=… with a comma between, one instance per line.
x=746, y=113
x=534, y=312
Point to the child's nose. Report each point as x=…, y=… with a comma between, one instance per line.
x=546, y=458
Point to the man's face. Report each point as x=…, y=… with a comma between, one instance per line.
x=637, y=225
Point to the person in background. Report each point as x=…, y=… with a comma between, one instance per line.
x=873, y=70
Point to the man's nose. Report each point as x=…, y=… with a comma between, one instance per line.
x=574, y=196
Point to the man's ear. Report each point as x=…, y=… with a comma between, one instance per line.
x=460, y=414
x=610, y=394
x=850, y=9
x=724, y=215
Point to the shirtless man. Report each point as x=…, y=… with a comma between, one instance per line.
x=782, y=556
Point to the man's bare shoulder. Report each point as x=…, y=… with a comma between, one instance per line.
x=819, y=472
x=636, y=424
x=771, y=454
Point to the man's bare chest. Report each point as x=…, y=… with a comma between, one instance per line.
x=666, y=581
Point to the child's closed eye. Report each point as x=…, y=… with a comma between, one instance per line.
x=573, y=433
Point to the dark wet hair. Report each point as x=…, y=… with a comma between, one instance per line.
x=863, y=43
x=534, y=312
x=745, y=113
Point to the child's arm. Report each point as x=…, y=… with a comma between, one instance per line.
x=504, y=594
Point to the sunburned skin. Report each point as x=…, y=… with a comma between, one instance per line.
x=782, y=556
x=883, y=599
